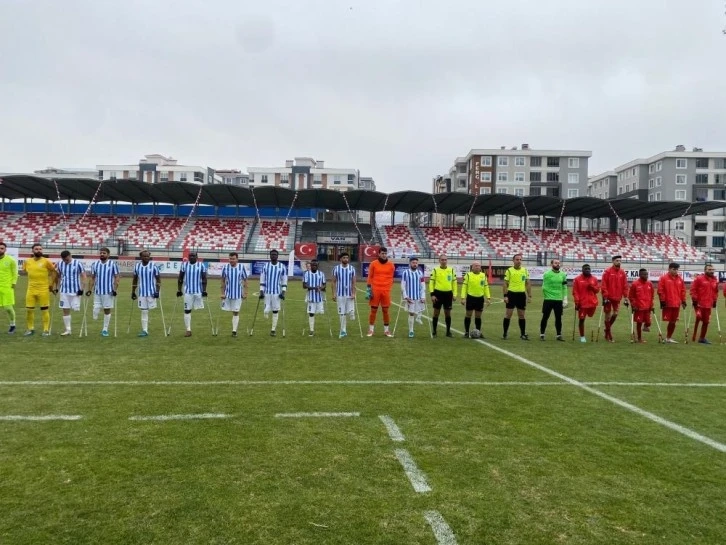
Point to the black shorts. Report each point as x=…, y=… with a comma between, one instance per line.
x=475, y=303
x=517, y=300
x=548, y=305
x=443, y=299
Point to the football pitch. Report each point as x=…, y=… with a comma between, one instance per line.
x=320, y=440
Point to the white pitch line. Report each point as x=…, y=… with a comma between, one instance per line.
x=315, y=415
x=42, y=418
x=442, y=531
x=393, y=430
x=166, y=417
x=8, y=383
x=414, y=474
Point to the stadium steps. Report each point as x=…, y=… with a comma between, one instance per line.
x=481, y=239
x=178, y=242
x=420, y=239
x=58, y=229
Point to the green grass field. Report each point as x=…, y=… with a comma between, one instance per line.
x=566, y=443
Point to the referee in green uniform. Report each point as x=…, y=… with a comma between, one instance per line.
x=554, y=290
x=517, y=293
x=443, y=286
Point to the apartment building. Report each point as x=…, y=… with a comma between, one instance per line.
x=677, y=175
x=517, y=171
x=305, y=173
x=156, y=168
x=233, y=177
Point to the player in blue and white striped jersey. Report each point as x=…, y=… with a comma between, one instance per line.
x=192, y=284
x=148, y=280
x=234, y=288
x=273, y=285
x=103, y=285
x=70, y=279
x=413, y=291
x=344, y=291
x=314, y=283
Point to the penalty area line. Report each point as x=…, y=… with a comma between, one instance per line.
x=394, y=432
x=39, y=418
x=442, y=531
x=316, y=415
x=167, y=417
x=414, y=474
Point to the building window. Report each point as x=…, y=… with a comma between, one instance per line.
x=519, y=176
x=573, y=178
x=553, y=176
x=658, y=181
x=680, y=194
x=485, y=191
x=651, y=183
x=651, y=197
x=627, y=188
x=351, y=179
x=502, y=190
x=701, y=163
x=264, y=179
x=680, y=225
x=701, y=178
x=182, y=176
x=486, y=176
x=502, y=177
x=717, y=242
x=681, y=179
x=553, y=161
x=461, y=184
x=100, y=174
x=519, y=161
x=659, y=166
x=573, y=162
x=701, y=226
x=284, y=179
x=535, y=176
x=164, y=176
x=535, y=191
x=503, y=161
x=535, y=161
x=571, y=193
x=486, y=160
x=681, y=163
x=519, y=192
x=336, y=180
x=651, y=168
x=657, y=196
x=719, y=226
x=199, y=177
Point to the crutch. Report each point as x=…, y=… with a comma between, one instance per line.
x=131, y=313
x=599, y=325
x=52, y=313
x=115, y=319
x=688, y=324
x=632, y=326
x=161, y=309
x=718, y=325
x=428, y=318
x=660, y=331
x=211, y=321
x=84, y=322
x=216, y=326
x=254, y=317
x=357, y=311
x=167, y=332
x=325, y=310
x=574, y=322
x=282, y=310
x=395, y=324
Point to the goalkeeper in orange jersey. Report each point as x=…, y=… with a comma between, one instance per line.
x=378, y=291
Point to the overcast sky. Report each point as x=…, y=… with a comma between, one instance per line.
x=395, y=88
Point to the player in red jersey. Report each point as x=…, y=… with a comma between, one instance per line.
x=614, y=285
x=672, y=297
x=641, y=297
x=704, y=296
x=584, y=290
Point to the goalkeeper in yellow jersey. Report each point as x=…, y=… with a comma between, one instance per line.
x=41, y=280
x=8, y=279
x=475, y=294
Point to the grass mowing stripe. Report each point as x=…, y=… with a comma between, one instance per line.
x=442, y=531
x=163, y=417
x=414, y=474
x=393, y=430
x=41, y=418
x=315, y=415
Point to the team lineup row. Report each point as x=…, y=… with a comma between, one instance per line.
x=69, y=280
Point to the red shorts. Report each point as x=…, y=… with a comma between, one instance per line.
x=642, y=316
x=670, y=314
x=381, y=299
x=703, y=314
x=612, y=306
x=585, y=313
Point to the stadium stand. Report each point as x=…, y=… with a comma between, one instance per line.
x=273, y=235
x=507, y=242
x=25, y=229
x=400, y=239
x=216, y=235
x=669, y=247
x=452, y=241
x=152, y=232
x=610, y=244
x=89, y=231
x=565, y=244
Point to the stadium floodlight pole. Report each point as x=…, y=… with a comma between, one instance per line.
x=599, y=325
x=660, y=331
x=167, y=332
x=251, y=330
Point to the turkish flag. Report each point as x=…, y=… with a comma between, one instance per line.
x=306, y=250
x=368, y=252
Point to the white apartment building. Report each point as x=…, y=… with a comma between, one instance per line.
x=156, y=168
x=305, y=173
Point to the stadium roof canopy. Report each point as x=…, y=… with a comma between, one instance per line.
x=21, y=186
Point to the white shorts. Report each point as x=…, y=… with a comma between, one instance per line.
x=232, y=305
x=346, y=305
x=316, y=308
x=272, y=302
x=70, y=300
x=416, y=307
x=103, y=301
x=147, y=303
x=193, y=301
